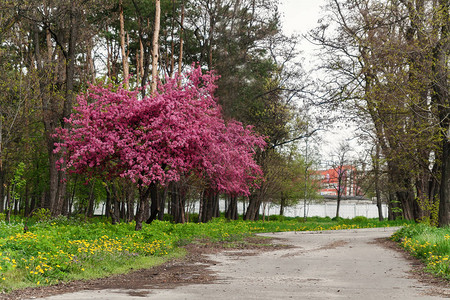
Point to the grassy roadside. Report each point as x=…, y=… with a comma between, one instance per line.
x=59, y=250
x=429, y=244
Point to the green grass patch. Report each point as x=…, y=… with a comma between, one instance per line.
x=64, y=249
x=430, y=244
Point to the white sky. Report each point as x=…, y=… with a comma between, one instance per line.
x=300, y=16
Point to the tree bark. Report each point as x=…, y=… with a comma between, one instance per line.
x=178, y=201
x=444, y=204
x=155, y=50
x=8, y=205
x=2, y=189
x=154, y=210
x=252, y=213
x=209, y=206
x=441, y=94
x=338, y=206
x=91, y=201
x=162, y=203
x=180, y=57
x=282, y=204
x=115, y=214
x=377, y=182
x=108, y=203
x=143, y=206
x=232, y=212
x=122, y=46
x=406, y=200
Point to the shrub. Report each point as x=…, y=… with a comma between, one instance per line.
x=193, y=218
x=276, y=218
x=360, y=219
x=42, y=215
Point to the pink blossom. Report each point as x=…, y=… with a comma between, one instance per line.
x=177, y=130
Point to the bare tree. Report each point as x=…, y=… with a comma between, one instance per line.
x=341, y=172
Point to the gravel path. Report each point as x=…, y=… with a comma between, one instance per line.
x=345, y=264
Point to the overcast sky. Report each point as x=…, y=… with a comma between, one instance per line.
x=300, y=16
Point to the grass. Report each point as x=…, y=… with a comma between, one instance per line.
x=429, y=244
x=64, y=249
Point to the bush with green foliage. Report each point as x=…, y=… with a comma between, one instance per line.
x=428, y=243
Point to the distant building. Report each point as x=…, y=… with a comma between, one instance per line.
x=329, y=182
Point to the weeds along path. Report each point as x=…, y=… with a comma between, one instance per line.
x=345, y=264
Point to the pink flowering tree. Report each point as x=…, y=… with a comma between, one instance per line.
x=154, y=140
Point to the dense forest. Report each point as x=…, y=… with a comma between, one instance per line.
x=148, y=106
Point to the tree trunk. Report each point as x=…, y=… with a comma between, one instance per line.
x=209, y=205
x=26, y=210
x=155, y=50
x=212, y=26
x=282, y=204
x=16, y=205
x=162, y=203
x=178, y=201
x=264, y=211
x=122, y=47
x=232, y=213
x=200, y=206
x=216, y=210
x=2, y=189
x=8, y=204
x=180, y=58
x=252, y=213
x=444, y=204
x=90, y=68
x=32, y=206
x=68, y=103
x=379, y=204
x=123, y=207
x=48, y=120
x=441, y=93
x=140, y=71
x=130, y=204
x=377, y=183
x=143, y=205
x=406, y=200
x=115, y=204
x=108, y=204
x=91, y=202
x=154, y=210
x=338, y=204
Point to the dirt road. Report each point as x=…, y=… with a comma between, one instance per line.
x=347, y=264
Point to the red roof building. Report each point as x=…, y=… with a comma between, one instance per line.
x=329, y=181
